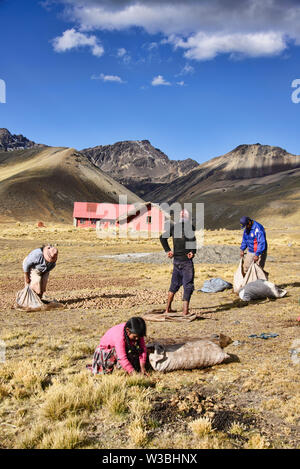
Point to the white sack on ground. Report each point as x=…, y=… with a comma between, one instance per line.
x=261, y=289
x=28, y=299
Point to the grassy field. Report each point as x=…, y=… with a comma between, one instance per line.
x=49, y=400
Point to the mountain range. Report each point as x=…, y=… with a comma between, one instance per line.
x=10, y=142
x=42, y=182
x=260, y=181
x=138, y=165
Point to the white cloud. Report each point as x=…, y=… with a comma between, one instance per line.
x=153, y=45
x=47, y=4
x=203, y=29
x=203, y=46
x=159, y=80
x=106, y=78
x=180, y=83
x=72, y=39
x=121, y=52
x=187, y=69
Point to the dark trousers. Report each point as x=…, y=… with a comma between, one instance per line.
x=183, y=275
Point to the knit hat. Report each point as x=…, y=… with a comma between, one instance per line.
x=244, y=221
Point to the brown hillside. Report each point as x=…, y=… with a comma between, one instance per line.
x=43, y=183
x=260, y=181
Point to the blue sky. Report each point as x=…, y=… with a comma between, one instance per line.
x=91, y=73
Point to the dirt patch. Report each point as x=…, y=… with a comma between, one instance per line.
x=205, y=255
x=190, y=403
x=62, y=288
x=291, y=323
x=70, y=282
x=128, y=299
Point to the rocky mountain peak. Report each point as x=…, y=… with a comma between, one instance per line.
x=258, y=149
x=9, y=142
x=137, y=163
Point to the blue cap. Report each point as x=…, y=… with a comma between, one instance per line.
x=244, y=220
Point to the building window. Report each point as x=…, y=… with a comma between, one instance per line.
x=93, y=221
x=82, y=221
x=148, y=220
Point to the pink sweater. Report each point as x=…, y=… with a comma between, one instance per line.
x=114, y=337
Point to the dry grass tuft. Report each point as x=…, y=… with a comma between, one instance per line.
x=237, y=428
x=4, y=391
x=32, y=438
x=137, y=433
x=66, y=435
x=29, y=376
x=79, y=394
x=22, y=379
x=62, y=438
x=117, y=402
x=140, y=404
x=201, y=426
x=257, y=441
x=139, y=380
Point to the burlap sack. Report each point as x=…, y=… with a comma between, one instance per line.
x=220, y=339
x=194, y=354
x=254, y=273
x=27, y=299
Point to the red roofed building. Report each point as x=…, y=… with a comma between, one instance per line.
x=139, y=217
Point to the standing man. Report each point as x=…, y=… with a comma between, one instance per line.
x=254, y=239
x=184, y=249
x=36, y=267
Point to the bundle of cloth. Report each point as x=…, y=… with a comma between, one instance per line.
x=215, y=285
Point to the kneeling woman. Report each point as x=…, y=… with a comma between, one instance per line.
x=122, y=346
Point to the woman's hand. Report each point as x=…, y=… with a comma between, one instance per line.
x=143, y=371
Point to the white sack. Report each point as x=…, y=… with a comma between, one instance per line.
x=27, y=299
x=254, y=273
x=261, y=289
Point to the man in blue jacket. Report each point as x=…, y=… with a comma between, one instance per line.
x=254, y=240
